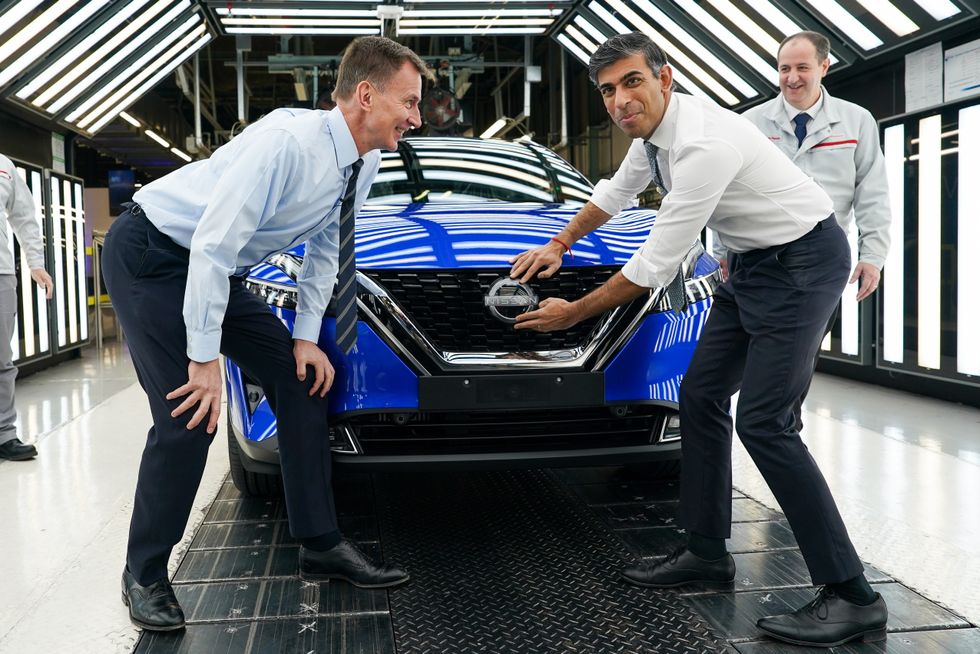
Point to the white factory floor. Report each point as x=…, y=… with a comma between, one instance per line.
x=905, y=471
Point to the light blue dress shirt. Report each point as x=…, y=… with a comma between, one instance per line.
x=276, y=185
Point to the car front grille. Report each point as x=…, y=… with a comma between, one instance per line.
x=448, y=307
x=511, y=431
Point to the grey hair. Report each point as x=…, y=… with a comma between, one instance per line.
x=622, y=46
x=820, y=43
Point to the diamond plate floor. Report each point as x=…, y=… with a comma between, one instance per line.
x=507, y=562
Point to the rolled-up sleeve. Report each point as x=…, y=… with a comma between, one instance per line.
x=247, y=193
x=615, y=194
x=700, y=173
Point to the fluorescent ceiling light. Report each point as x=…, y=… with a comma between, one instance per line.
x=938, y=9
x=473, y=30
x=751, y=29
x=776, y=17
x=488, y=12
x=851, y=26
x=135, y=95
x=733, y=42
x=102, y=57
x=16, y=13
x=301, y=22
x=581, y=39
x=593, y=31
x=695, y=46
x=476, y=22
x=146, y=72
x=83, y=47
x=493, y=129
x=156, y=137
x=149, y=58
x=53, y=38
x=891, y=16
x=33, y=28
x=679, y=75
x=180, y=153
x=264, y=11
x=129, y=119
x=304, y=30
x=676, y=54
x=571, y=47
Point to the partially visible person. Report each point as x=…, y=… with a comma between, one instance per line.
x=17, y=208
x=836, y=143
x=295, y=176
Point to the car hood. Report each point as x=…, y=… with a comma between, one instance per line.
x=482, y=235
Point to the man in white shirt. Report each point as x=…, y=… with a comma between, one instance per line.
x=836, y=143
x=790, y=264
x=16, y=208
x=295, y=176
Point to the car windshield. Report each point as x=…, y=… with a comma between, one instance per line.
x=472, y=170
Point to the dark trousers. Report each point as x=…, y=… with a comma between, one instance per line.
x=763, y=332
x=798, y=405
x=146, y=274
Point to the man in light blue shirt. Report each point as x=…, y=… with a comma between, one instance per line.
x=174, y=264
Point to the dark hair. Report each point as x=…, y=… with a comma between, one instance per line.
x=375, y=59
x=820, y=43
x=626, y=45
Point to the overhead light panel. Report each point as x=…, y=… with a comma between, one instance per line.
x=938, y=9
x=891, y=16
x=26, y=34
x=180, y=153
x=493, y=129
x=591, y=29
x=748, y=26
x=573, y=48
x=16, y=13
x=847, y=23
x=129, y=119
x=156, y=137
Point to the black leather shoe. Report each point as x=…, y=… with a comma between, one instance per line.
x=829, y=621
x=679, y=569
x=347, y=562
x=152, y=607
x=16, y=451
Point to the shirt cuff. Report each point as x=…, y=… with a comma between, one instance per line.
x=35, y=263
x=601, y=198
x=203, y=347
x=307, y=328
x=877, y=262
x=639, y=271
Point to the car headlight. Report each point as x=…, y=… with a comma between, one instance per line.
x=270, y=280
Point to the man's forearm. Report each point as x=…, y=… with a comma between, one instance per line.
x=586, y=221
x=618, y=290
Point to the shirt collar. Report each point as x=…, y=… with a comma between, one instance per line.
x=663, y=136
x=812, y=110
x=343, y=140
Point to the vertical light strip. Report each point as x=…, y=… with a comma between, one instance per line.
x=37, y=190
x=968, y=235
x=930, y=198
x=827, y=342
x=849, y=315
x=80, y=262
x=71, y=281
x=893, y=327
x=59, y=273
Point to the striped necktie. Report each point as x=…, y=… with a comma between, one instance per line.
x=675, y=289
x=346, y=293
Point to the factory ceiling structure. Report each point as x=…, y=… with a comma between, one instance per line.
x=79, y=65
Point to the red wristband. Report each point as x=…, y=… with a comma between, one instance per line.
x=562, y=243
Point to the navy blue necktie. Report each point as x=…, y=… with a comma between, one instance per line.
x=801, y=120
x=346, y=293
x=675, y=289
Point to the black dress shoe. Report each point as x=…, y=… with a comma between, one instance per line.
x=152, y=607
x=347, y=562
x=828, y=621
x=679, y=569
x=14, y=450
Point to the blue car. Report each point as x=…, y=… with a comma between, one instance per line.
x=439, y=375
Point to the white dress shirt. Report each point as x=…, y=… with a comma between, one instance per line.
x=17, y=207
x=719, y=171
x=276, y=185
x=792, y=112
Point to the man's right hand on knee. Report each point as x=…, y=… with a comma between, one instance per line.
x=203, y=388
